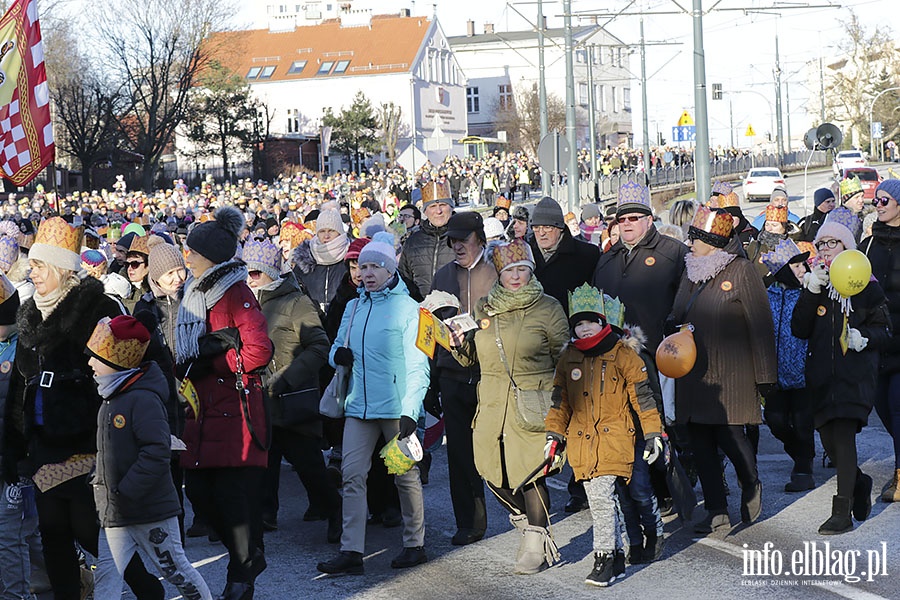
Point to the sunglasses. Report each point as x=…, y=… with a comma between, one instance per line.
x=881, y=201
x=135, y=264
x=630, y=219
x=822, y=244
x=254, y=274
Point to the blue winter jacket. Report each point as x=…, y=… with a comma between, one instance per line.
x=791, y=351
x=390, y=375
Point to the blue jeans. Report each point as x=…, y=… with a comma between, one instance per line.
x=887, y=405
x=638, y=502
x=20, y=542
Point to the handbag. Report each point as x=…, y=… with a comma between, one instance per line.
x=299, y=407
x=332, y=403
x=532, y=406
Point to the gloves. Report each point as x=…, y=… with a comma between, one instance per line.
x=653, y=448
x=553, y=451
x=219, y=342
x=343, y=356
x=855, y=340
x=765, y=389
x=432, y=402
x=817, y=279
x=407, y=426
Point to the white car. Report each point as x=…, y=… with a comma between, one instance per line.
x=761, y=182
x=849, y=159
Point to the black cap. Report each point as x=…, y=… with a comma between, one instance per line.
x=461, y=224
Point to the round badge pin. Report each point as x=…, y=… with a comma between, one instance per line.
x=119, y=421
x=649, y=261
x=5, y=367
x=576, y=374
x=821, y=311
x=484, y=323
x=726, y=286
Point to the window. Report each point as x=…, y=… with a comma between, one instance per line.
x=297, y=67
x=581, y=56
x=620, y=54
x=599, y=51
x=253, y=73
x=582, y=94
x=341, y=67
x=506, y=96
x=325, y=67
x=472, y=104
x=612, y=57
x=602, y=95
x=626, y=98
x=596, y=55
x=615, y=99
x=267, y=72
x=293, y=124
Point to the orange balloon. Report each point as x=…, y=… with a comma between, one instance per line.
x=677, y=354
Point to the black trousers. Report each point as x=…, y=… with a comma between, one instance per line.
x=459, y=400
x=67, y=514
x=789, y=416
x=839, y=439
x=533, y=501
x=304, y=453
x=706, y=440
x=229, y=498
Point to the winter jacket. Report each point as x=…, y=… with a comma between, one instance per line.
x=54, y=421
x=165, y=309
x=735, y=340
x=389, y=375
x=345, y=293
x=220, y=435
x=533, y=338
x=321, y=282
x=811, y=224
x=789, y=350
x=644, y=279
x=570, y=266
x=844, y=384
x=301, y=348
x=424, y=252
x=7, y=357
x=883, y=250
x=593, y=400
x=161, y=351
x=132, y=480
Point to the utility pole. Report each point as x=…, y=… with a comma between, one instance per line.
x=731, y=122
x=787, y=107
x=592, y=117
x=701, y=148
x=573, y=174
x=779, y=133
x=542, y=92
x=645, y=122
x=821, y=87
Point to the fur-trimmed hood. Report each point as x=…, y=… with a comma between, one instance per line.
x=302, y=258
x=19, y=270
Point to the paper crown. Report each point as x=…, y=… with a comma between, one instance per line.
x=585, y=299
x=725, y=201
x=56, y=232
x=358, y=215
x=633, y=195
x=262, y=253
x=436, y=191
x=850, y=187
x=777, y=213
x=844, y=216
x=807, y=247
x=7, y=289
x=614, y=311
x=721, y=188
x=9, y=252
x=516, y=252
x=503, y=202
x=294, y=234
x=119, y=342
x=716, y=223
x=139, y=243
x=785, y=252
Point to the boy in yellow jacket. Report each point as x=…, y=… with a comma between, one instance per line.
x=599, y=381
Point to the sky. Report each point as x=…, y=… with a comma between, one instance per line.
x=739, y=47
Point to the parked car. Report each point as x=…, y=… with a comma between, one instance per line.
x=868, y=177
x=849, y=159
x=760, y=182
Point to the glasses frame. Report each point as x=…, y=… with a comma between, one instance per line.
x=134, y=264
x=630, y=219
x=830, y=244
x=881, y=201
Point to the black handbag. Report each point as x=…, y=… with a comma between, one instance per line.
x=299, y=407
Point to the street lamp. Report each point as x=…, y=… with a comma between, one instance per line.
x=871, y=109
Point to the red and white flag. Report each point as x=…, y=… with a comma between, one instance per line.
x=26, y=133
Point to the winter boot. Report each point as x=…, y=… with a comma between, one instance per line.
x=800, y=482
x=653, y=547
x=520, y=522
x=603, y=572
x=537, y=551
x=862, y=496
x=636, y=554
x=619, y=563
x=839, y=521
x=891, y=491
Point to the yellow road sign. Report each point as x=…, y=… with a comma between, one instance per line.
x=686, y=119
x=750, y=132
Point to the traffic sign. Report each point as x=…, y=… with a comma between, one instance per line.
x=686, y=119
x=876, y=130
x=750, y=131
x=553, y=153
x=686, y=133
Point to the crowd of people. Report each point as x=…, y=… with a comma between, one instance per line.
x=176, y=346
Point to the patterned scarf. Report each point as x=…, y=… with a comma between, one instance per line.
x=501, y=300
x=704, y=268
x=200, y=295
x=329, y=253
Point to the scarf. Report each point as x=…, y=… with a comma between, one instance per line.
x=704, y=268
x=501, y=300
x=108, y=384
x=46, y=304
x=266, y=288
x=329, y=253
x=200, y=295
x=587, y=343
x=769, y=239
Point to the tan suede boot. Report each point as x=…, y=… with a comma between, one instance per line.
x=891, y=492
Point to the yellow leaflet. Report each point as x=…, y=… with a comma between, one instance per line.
x=188, y=393
x=425, y=340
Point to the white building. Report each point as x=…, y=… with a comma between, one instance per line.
x=498, y=65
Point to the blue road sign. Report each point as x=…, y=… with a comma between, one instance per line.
x=685, y=133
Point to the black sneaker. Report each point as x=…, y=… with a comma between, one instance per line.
x=345, y=563
x=603, y=572
x=619, y=563
x=410, y=557
x=653, y=548
x=800, y=482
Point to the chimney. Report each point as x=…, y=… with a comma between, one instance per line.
x=404, y=12
x=488, y=28
x=470, y=28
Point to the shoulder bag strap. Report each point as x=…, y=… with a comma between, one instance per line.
x=693, y=297
x=503, y=353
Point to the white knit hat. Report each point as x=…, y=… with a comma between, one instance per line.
x=330, y=219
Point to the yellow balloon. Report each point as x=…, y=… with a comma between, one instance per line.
x=850, y=272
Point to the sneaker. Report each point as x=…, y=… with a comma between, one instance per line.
x=603, y=572
x=619, y=563
x=653, y=548
x=345, y=563
x=409, y=557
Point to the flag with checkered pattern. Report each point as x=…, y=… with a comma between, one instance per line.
x=26, y=133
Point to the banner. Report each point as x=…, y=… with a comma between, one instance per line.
x=26, y=133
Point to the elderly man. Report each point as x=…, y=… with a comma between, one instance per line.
x=426, y=250
x=468, y=277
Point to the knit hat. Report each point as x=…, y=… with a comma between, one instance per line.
x=633, y=198
x=380, y=251
x=711, y=226
x=515, y=253
x=263, y=256
x=786, y=252
x=892, y=187
x=844, y=216
x=355, y=248
x=850, y=187
x=9, y=253
x=778, y=192
x=57, y=243
x=94, y=262
x=778, y=214
x=547, y=212
x=838, y=231
x=590, y=211
x=822, y=195
x=435, y=191
x=9, y=301
x=493, y=228
x=720, y=188
x=119, y=342
x=330, y=219
x=217, y=240
x=162, y=257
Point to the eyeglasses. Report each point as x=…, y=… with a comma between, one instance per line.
x=407, y=217
x=822, y=244
x=135, y=264
x=544, y=228
x=881, y=201
x=630, y=218
x=254, y=274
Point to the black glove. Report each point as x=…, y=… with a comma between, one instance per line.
x=670, y=326
x=343, y=356
x=766, y=389
x=432, y=402
x=219, y=342
x=408, y=426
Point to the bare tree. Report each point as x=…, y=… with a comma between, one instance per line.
x=389, y=118
x=522, y=121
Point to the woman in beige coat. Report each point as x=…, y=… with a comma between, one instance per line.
x=531, y=328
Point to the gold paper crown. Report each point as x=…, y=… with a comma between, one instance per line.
x=124, y=354
x=513, y=253
x=503, y=202
x=716, y=222
x=725, y=201
x=850, y=187
x=585, y=298
x=777, y=213
x=436, y=191
x=140, y=243
x=56, y=232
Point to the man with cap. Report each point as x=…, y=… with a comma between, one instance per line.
x=426, y=250
x=824, y=202
x=468, y=277
x=779, y=199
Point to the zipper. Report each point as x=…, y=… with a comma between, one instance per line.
x=363, y=352
x=602, y=376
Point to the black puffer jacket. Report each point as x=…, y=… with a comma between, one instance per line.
x=424, y=252
x=321, y=282
x=883, y=250
x=570, y=266
x=161, y=350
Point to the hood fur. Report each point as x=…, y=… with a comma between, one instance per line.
x=633, y=337
x=302, y=258
x=19, y=270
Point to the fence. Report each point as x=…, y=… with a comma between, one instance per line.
x=193, y=177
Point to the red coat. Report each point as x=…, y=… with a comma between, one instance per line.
x=220, y=437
